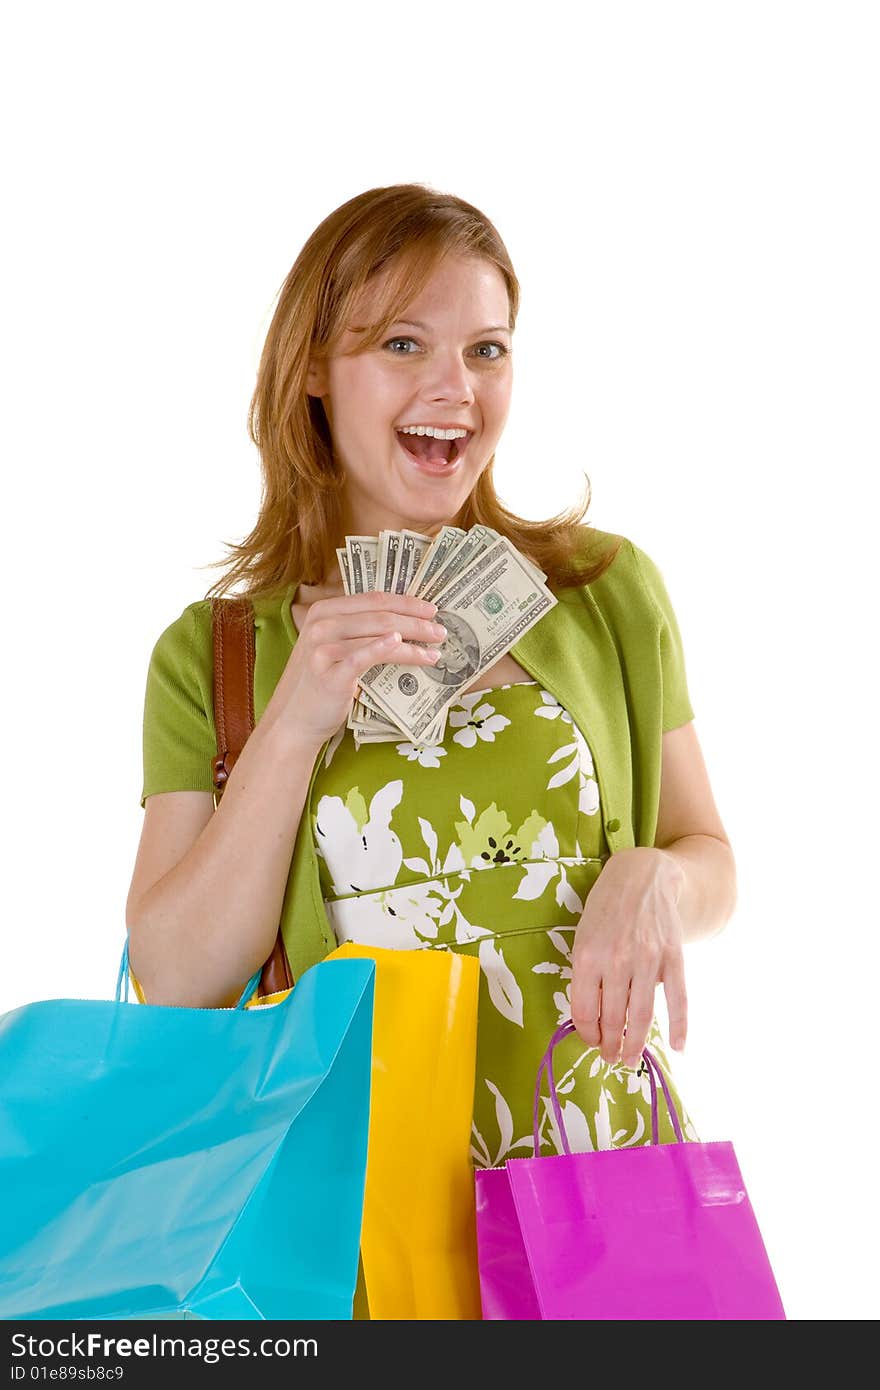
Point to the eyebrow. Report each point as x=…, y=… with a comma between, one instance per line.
x=494, y=328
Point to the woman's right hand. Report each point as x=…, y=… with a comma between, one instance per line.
x=340, y=639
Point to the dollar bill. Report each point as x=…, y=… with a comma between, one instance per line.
x=362, y=552
x=476, y=540
x=374, y=728
x=361, y=717
x=366, y=718
x=362, y=736
x=373, y=734
x=486, y=608
x=367, y=700
x=413, y=546
x=358, y=715
x=386, y=562
x=342, y=562
x=435, y=557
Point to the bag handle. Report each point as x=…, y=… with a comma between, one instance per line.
x=234, y=719
x=546, y=1066
x=234, y=663
x=122, y=981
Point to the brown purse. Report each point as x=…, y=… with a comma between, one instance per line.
x=234, y=660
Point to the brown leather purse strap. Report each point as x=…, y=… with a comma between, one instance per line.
x=234, y=661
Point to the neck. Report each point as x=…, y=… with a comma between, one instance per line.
x=360, y=517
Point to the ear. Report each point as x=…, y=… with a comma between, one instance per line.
x=316, y=379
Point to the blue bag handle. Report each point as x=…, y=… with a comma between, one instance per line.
x=123, y=977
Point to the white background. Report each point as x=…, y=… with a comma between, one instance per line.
x=689, y=194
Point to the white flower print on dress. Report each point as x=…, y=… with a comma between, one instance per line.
x=578, y=753
x=476, y=721
x=432, y=866
x=537, y=878
x=551, y=708
x=507, y=1144
x=402, y=919
x=561, y=997
x=427, y=755
x=360, y=849
x=504, y=991
x=406, y=918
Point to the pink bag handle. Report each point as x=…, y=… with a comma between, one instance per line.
x=546, y=1065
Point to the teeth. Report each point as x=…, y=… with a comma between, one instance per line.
x=434, y=433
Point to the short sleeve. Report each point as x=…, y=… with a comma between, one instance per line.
x=677, y=708
x=179, y=741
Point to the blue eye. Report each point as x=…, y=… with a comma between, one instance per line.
x=502, y=350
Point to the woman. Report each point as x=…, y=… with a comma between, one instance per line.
x=564, y=832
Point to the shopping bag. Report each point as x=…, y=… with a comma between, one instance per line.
x=658, y=1231
x=161, y=1162
x=418, y=1241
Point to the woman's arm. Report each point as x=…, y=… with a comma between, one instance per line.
x=645, y=904
x=707, y=895
x=689, y=829
x=207, y=925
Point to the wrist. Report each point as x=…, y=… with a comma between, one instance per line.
x=291, y=740
x=675, y=871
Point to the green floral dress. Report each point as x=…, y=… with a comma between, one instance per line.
x=488, y=845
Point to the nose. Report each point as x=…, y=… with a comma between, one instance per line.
x=448, y=379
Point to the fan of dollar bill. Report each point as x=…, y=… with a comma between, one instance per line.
x=487, y=596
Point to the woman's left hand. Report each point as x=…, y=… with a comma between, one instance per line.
x=629, y=938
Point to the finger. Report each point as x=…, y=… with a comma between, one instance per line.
x=339, y=627
x=585, y=999
x=359, y=657
x=348, y=660
x=676, y=1000
x=639, y=1017
x=615, y=995
x=374, y=600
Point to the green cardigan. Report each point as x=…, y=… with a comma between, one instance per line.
x=610, y=652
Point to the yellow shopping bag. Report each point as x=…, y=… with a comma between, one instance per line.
x=418, y=1238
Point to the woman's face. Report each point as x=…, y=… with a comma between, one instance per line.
x=454, y=368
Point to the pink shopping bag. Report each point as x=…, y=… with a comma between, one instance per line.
x=652, y=1232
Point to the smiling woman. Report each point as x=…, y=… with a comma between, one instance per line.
x=563, y=832
x=445, y=385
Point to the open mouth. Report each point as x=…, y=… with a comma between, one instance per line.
x=432, y=454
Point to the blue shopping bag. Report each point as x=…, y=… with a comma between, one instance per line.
x=161, y=1162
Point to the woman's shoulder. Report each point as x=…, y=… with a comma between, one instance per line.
x=611, y=555
x=181, y=660
x=192, y=631
x=626, y=555
x=180, y=635
x=629, y=580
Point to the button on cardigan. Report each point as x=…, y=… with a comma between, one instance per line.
x=611, y=653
